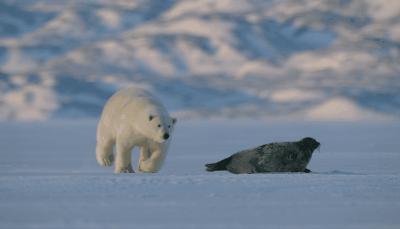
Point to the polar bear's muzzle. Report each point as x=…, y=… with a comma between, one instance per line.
x=166, y=136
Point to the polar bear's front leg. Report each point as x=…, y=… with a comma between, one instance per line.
x=144, y=155
x=123, y=158
x=153, y=163
x=104, y=153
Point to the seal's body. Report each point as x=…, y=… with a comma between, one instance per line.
x=273, y=157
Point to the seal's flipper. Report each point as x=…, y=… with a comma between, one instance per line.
x=307, y=170
x=218, y=166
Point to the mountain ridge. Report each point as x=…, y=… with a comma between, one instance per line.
x=63, y=59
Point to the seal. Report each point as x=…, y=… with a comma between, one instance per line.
x=272, y=157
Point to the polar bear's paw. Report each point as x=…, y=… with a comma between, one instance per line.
x=149, y=170
x=106, y=161
x=127, y=169
x=140, y=170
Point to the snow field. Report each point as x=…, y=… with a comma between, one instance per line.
x=49, y=179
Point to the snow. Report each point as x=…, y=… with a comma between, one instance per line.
x=49, y=179
x=295, y=95
x=30, y=102
x=341, y=109
x=268, y=52
x=109, y=17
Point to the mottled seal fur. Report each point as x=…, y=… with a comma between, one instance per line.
x=273, y=157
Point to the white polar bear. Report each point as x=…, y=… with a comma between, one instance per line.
x=133, y=117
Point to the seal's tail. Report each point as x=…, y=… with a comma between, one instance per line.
x=218, y=166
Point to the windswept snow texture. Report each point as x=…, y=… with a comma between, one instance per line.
x=318, y=60
x=49, y=179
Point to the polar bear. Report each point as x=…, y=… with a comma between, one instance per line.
x=133, y=117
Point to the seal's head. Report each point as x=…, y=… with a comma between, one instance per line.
x=308, y=144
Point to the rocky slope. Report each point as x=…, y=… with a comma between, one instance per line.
x=318, y=60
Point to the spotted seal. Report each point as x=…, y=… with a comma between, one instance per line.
x=272, y=157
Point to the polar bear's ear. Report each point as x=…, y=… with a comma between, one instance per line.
x=151, y=117
x=174, y=120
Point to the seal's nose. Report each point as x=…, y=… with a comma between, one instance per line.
x=166, y=136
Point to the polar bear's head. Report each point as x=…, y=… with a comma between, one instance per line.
x=160, y=128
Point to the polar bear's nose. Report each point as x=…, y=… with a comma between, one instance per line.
x=166, y=136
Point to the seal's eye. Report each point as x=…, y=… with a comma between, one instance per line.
x=169, y=126
x=159, y=125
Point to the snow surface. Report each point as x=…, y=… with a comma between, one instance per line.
x=49, y=179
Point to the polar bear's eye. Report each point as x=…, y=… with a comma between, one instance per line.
x=159, y=125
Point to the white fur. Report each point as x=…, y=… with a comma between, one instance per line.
x=130, y=118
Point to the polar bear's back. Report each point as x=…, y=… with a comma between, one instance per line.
x=130, y=101
x=127, y=104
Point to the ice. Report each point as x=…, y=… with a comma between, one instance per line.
x=49, y=179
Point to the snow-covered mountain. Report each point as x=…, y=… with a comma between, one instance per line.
x=318, y=60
